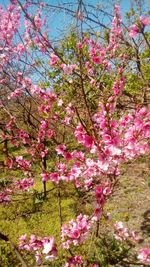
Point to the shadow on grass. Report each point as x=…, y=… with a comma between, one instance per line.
x=145, y=225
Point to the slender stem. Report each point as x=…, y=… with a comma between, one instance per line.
x=97, y=228
x=44, y=182
x=145, y=38
x=20, y=258
x=59, y=207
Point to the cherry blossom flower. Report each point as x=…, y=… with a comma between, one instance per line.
x=75, y=233
x=133, y=31
x=122, y=233
x=145, y=21
x=144, y=255
x=44, y=247
x=24, y=184
x=54, y=59
x=74, y=261
x=68, y=69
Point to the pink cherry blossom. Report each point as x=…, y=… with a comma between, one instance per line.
x=54, y=177
x=68, y=69
x=60, y=149
x=22, y=163
x=44, y=247
x=123, y=233
x=24, y=184
x=5, y=196
x=75, y=233
x=9, y=163
x=133, y=31
x=144, y=255
x=54, y=59
x=48, y=246
x=45, y=176
x=145, y=21
x=74, y=261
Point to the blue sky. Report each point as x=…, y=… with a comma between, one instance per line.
x=57, y=23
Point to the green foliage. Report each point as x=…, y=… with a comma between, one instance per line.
x=109, y=252
x=4, y=182
x=133, y=85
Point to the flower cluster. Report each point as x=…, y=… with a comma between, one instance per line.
x=68, y=69
x=23, y=163
x=24, y=184
x=74, y=261
x=75, y=232
x=122, y=233
x=5, y=196
x=116, y=31
x=101, y=194
x=9, y=24
x=44, y=247
x=144, y=255
x=136, y=28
